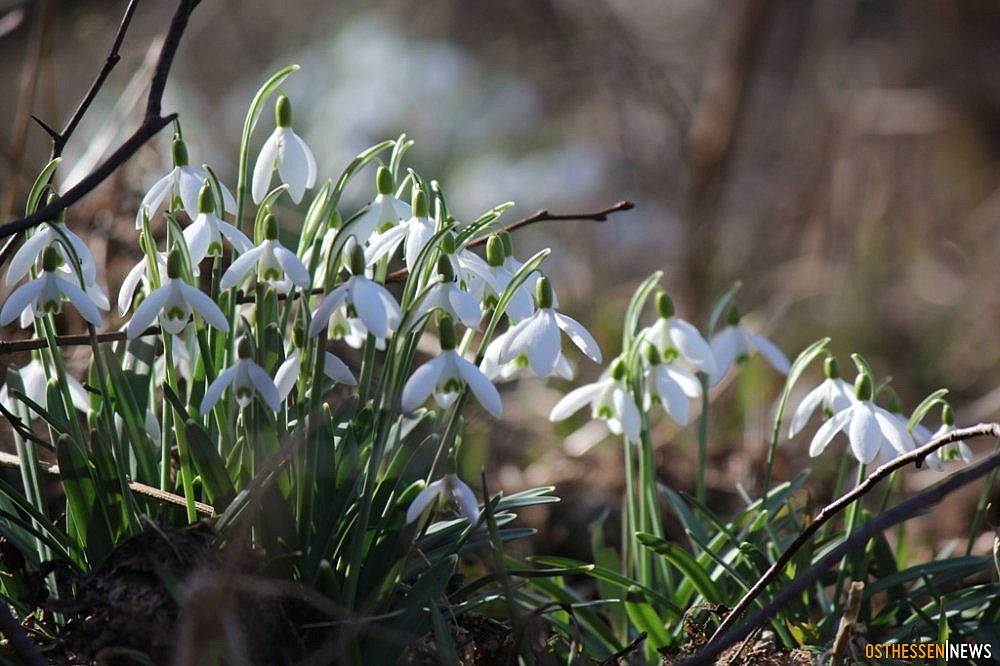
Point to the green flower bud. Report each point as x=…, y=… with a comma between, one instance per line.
x=448, y=244
x=357, y=260
x=664, y=306
x=421, y=207
x=180, y=153
x=206, y=200
x=863, y=387
x=383, y=181
x=508, y=243
x=299, y=337
x=734, y=315
x=494, y=251
x=652, y=355
x=51, y=259
x=543, y=292
x=947, y=415
x=831, y=369
x=446, y=333
x=618, y=370
x=245, y=347
x=283, y=112
x=445, y=268
x=270, y=227
x=175, y=264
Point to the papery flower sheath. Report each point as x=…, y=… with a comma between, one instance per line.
x=284, y=152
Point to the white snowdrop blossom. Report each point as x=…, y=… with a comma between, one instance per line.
x=275, y=264
x=488, y=291
x=445, y=375
x=288, y=372
x=833, y=395
x=497, y=371
x=140, y=274
x=184, y=182
x=414, y=233
x=734, y=343
x=449, y=488
x=374, y=306
x=46, y=293
x=204, y=235
x=445, y=295
x=49, y=235
x=247, y=380
x=609, y=400
x=671, y=386
x=872, y=430
x=173, y=303
x=385, y=209
x=538, y=338
x=949, y=452
x=672, y=336
x=287, y=153
x=34, y=380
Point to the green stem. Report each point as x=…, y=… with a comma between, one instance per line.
x=183, y=452
x=981, y=507
x=702, y=439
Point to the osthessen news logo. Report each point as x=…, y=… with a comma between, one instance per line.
x=947, y=651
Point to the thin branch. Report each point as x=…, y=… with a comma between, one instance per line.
x=724, y=639
x=151, y=125
x=82, y=340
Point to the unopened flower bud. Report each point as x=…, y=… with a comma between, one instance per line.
x=664, y=306
x=180, y=153
x=421, y=207
x=283, y=112
x=206, y=200
x=448, y=244
x=543, y=293
x=383, y=181
x=947, y=415
x=508, y=244
x=863, y=387
x=494, y=251
x=831, y=369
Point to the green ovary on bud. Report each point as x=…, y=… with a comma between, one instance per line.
x=831, y=369
x=206, y=200
x=245, y=348
x=734, y=315
x=664, y=306
x=863, y=387
x=494, y=251
x=180, y=152
x=357, y=260
x=421, y=207
x=947, y=415
x=508, y=244
x=448, y=244
x=383, y=181
x=618, y=370
x=51, y=259
x=653, y=355
x=446, y=270
x=543, y=293
x=175, y=264
x=51, y=199
x=283, y=112
x=446, y=333
x=270, y=227
x=299, y=337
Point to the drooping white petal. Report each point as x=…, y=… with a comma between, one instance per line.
x=893, y=431
x=129, y=284
x=628, y=413
x=189, y=183
x=20, y=300
x=326, y=308
x=419, y=231
x=204, y=306
x=151, y=202
x=480, y=386
x=423, y=500
x=464, y=306
x=296, y=164
x=337, y=370
x=769, y=351
x=237, y=238
x=421, y=384
x=27, y=254
x=147, y=312
x=539, y=340
x=864, y=433
x=385, y=243
x=468, y=506
x=672, y=397
x=806, y=408
x=217, y=388
x=80, y=300
x=293, y=267
x=726, y=346
x=692, y=345
x=240, y=267
x=264, y=385
x=264, y=167
x=828, y=430
x=580, y=336
x=575, y=399
x=287, y=374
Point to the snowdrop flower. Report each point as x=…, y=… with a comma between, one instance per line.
x=34, y=380
x=288, y=372
x=416, y=232
x=45, y=294
x=183, y=182
x=669, y=385
x=833, y=394
x=497, y=371
x=537, y=337
x=734, y=343
x=872, y=431
x=285, y=152
x=247, y=379
x=140, y=273
x=489, y=291
x=384, y=209
x=445, y=295
x=48, y=234
x=609, y=399
x=184, y=353
x=672, y=336
x=446, y=375
x=173, y=304
x=370, y=301
x=449, y=488
x=204, y=235
x=275, y=263
x=954, y=451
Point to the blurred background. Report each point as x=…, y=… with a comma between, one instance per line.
x=839, y=157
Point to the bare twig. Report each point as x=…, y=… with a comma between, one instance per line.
x=897, y=514
x=152, y=123
x=848, y=622
x=831, y=510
